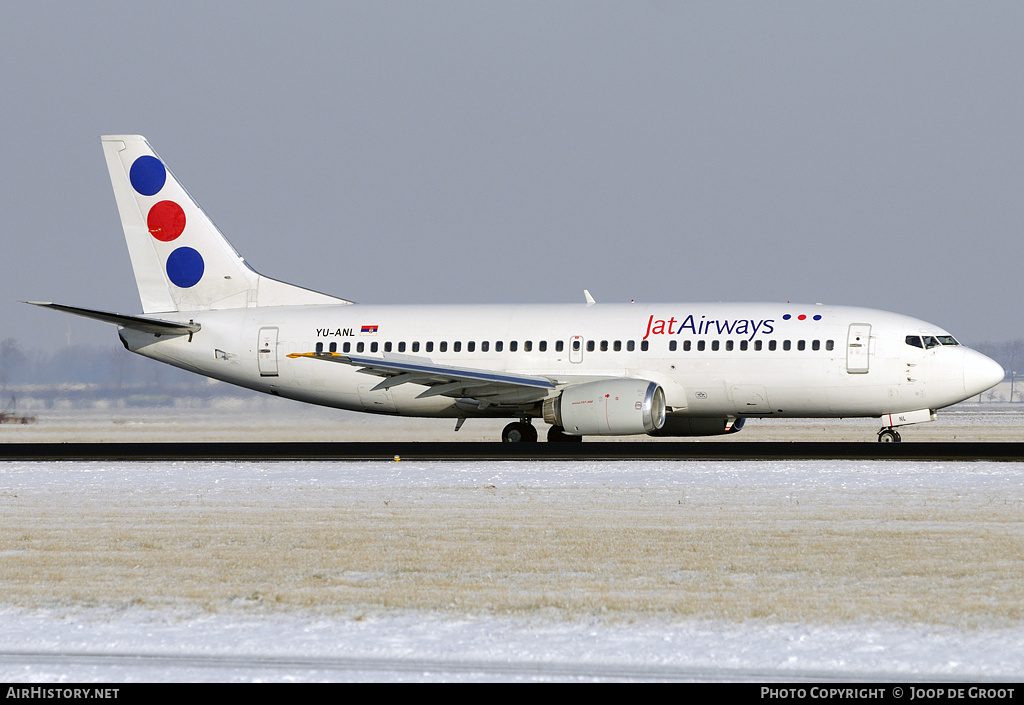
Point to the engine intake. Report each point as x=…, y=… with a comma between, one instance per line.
x=617, y=407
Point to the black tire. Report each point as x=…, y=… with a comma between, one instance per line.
x=519, y=432
x=889, y=435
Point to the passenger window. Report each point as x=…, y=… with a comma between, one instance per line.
x=830, y=344
x=728, y=345
x=575, y=345
x=347, y=347
x=801, y=345
x=786, y=345
x=686, y=346
x=373, y=347
x=485, y=346
x=590, y=346
x=672, y=346
x=700, y=345
x=401, y=347
x=457, y=346
x=443, y=346
x=333, y=348
x=816, y=345
x=319, y=347
x=644, y=345
x=744, y=344
x=415, y=346
x=604, y=346
x=430, y=346
x=527, y=345
x=471, y=346
x=387, y=346
x=714, y=345
x=772, y=344
x=359, y=347
x=618, y=345
x=630, y=345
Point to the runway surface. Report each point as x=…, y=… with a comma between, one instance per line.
x=391, y=450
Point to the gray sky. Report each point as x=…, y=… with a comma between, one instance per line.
x=867, y=153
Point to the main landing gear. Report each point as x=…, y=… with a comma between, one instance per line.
x=889, y=435
x=519, y=432
x=523, y=432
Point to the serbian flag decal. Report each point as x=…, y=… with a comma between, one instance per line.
x=368, y=330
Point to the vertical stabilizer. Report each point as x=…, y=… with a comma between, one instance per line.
x=182, y=262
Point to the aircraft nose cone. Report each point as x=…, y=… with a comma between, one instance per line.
x=980, y=372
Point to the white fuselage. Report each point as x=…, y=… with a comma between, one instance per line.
x=735, y=359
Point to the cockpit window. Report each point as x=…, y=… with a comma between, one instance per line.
x=930, y=341
x=948, y=340
x=915, y=340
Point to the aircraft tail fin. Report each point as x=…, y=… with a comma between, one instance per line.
x=182, y=262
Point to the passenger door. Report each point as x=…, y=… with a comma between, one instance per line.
x=858, y=348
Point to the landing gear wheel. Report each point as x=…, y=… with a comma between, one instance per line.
x=889, y=435
x=556, y=434
x=519, y=432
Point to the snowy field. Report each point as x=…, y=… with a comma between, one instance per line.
x=305, y=571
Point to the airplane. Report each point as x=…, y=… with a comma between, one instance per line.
x=587, y=369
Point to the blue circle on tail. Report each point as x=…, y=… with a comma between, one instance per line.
x=147, y=175
x=185, y=267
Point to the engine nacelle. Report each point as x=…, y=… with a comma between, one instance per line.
x=699, y=426
x=615, y=407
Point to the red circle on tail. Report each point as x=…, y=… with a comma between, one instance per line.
x=166, y=221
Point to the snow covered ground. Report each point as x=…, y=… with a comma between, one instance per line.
x=217, y=571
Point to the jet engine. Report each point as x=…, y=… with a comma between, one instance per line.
x=615, y=407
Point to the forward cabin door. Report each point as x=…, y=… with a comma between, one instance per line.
x=266, y=352
x=858, y=348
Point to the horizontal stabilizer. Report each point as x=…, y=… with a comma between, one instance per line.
x=146, y=325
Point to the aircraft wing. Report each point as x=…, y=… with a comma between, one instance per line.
x=444, y=380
